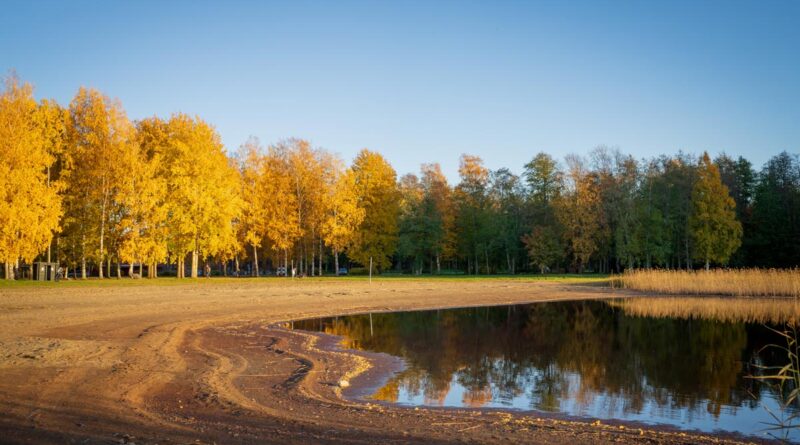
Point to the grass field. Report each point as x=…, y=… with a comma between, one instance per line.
x=90, y=282
x=730, y=282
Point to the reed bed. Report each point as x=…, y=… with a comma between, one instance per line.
x=775, y=311
x=729, y=282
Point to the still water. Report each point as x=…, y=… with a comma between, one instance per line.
x=590, y=358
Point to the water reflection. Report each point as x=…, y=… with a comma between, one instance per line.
x=588, y=358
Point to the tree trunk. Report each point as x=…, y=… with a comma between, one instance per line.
x=336, y=261
x=83, y=257
x=255, y=261
x=688, y=258
x=194, y=263
x=108, y=266
x=320, y=256
x=708, y=266
x=236, y=264
x=313, y=254
x=438, y=264
x=102, y=238
x=119, y=270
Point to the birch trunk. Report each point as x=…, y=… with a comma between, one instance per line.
x=255, y=261
x=194, y=263
x=102, y=234
x=83, y=257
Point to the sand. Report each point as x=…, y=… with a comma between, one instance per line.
x=198, y=363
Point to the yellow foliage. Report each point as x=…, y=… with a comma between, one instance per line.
x=99, y=136
x=30, y=206
x=202, y=191
x=143, y=194
x=376, y=186
x=345, y=213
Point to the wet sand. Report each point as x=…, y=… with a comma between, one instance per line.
x=198, y=363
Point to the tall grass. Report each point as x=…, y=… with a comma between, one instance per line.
x=785, y=381
x=774, y=311
x=730, y=282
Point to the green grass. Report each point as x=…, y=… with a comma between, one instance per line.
x=171, y=281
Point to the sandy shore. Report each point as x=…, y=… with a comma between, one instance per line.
x=197, y=363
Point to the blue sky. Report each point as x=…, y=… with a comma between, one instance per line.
x=427, y=81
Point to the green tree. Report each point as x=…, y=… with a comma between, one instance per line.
x=544, y=248
x=715, y=232
x=543, y=177
x=774, y=240
x=472, y=222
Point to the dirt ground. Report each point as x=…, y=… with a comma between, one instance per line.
x=197, y=363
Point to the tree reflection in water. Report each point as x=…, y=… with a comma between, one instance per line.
x=583, y=358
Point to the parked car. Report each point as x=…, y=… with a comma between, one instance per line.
x=280, y=272
x=342, y=271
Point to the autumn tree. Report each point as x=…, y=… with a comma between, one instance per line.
x=99, y=136
x=311, y=174
x=30, y=206
x=283, y=224
x=254, y=215
x=376, y=187
x=579, y=211
x=202, y=192
x=715, y=232
x=143, y=194
x=344, y=215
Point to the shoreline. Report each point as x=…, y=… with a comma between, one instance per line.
x=383, y=366
x=170, y=364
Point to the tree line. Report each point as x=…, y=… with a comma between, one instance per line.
x=86, y=186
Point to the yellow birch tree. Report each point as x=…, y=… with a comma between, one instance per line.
x=100, y=134
x=202, y=192
x=376, y=186
x=30, y=206
x=344, y=215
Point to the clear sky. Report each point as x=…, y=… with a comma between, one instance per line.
x=427, y=81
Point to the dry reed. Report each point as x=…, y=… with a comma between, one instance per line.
x=749, y=310
x=731, y=282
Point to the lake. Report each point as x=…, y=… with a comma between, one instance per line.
x=598, y=359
